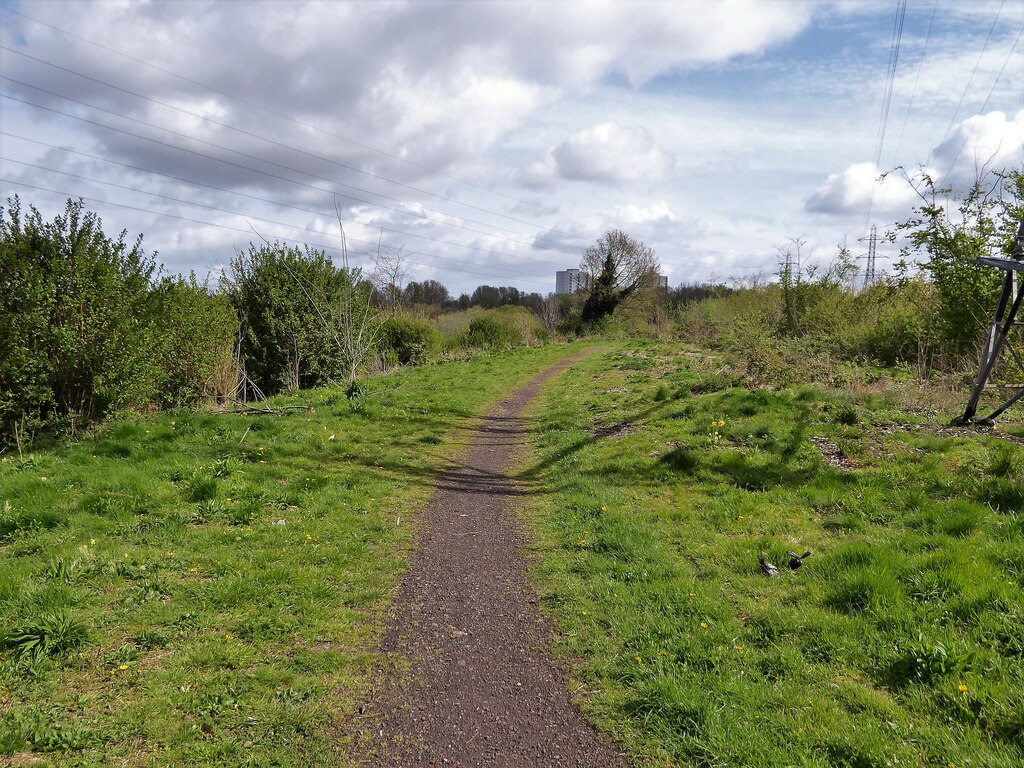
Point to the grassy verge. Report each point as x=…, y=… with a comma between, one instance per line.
x=198, y=589
x=900, y=641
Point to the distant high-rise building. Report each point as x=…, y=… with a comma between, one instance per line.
x=663, y=282
x=569, y=281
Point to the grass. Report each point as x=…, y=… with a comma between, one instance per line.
x=200, y=589
x=900, y=641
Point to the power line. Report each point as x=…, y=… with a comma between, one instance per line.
x=992, y=90
x=270, y=111
x=248, y=232
x=229, y=212
x=917, y=78
x=175, y=147
x=328, y=214
x=260, y=137
x=552, y=232
x=970, y=80
x=237, y=152
x=883, y=119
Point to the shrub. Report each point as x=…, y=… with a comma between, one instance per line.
x=286, y=342
x=86, y=329
x=198, y=332
x=487, y=332
x=77, y=325
x=411, y=341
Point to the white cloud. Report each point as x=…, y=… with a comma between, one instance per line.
x=859, y=186
x=992, y=142
x=612, y=153
x=976, y=146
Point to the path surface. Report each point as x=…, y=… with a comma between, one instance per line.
x=481, y=690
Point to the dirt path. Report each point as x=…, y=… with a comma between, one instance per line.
x=480, y=690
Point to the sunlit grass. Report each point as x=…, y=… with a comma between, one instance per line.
x=200, y=589
x=898, y=641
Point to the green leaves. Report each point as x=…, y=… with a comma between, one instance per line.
x=86, y=330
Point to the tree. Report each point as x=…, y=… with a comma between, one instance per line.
x=951, y=231
x=617, y=267
x=428, y=292
x=486, y=296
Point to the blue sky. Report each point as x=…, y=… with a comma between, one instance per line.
x=490, y=142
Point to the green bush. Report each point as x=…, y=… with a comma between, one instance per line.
x=412, y=341
x=486, y=332
x=284, y=298
x=77, y=320
x=198, y=333
x=86, y=329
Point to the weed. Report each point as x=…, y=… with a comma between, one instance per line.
x=926, y=661
x=53, y=634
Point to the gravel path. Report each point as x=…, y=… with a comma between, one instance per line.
x=480, y=689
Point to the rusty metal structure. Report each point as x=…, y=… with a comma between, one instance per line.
x=998, y=338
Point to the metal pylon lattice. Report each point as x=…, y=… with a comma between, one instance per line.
x=869, y=271
x=1003, y=323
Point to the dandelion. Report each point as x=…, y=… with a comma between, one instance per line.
x=171, y=554
x=583, y=613
x=962, y=688
x=663, y=653
x=123, y=667
x=582, y=542
x=639, y=660
x=92, y=542
x=703, y=625
x=193, y=570
x=604, y=509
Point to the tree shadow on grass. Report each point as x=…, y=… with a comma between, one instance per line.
x=538, y=470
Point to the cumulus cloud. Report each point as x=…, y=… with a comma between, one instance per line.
x=612, y=153
x=982, y=143
x=856, y=188
x=976, y=146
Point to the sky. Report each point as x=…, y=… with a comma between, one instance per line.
x=491, y=142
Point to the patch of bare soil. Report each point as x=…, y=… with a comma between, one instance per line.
x=480, y=689
x=947, y=431
x=832, y=453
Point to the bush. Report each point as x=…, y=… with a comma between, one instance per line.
x=86, y=330
x=488, y=333
x=286, y=342
x=78, y=322
x=412, y=341
x=198, y=333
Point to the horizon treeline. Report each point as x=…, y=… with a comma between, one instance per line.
x=90, y=326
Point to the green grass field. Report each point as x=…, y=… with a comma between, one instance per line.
x=200, y=589
x=900, y=642
x=206, y=590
